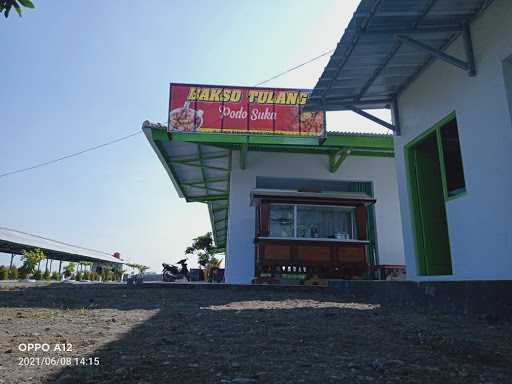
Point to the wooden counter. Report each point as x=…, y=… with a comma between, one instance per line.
x=333, y=258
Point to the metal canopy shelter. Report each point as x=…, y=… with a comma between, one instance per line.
x=15, y=242
x=199, y=164
x=386, y=45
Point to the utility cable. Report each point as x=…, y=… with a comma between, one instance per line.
x=53, y=161
x=111, y=142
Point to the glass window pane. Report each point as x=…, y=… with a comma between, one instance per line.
x=281, y=220
x=324, y=222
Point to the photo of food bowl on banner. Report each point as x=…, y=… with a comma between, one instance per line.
x=244, y=110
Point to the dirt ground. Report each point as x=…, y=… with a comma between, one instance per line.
x=169, y=335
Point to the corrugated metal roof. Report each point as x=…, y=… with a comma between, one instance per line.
x=14, y=241
x=359, y=134
x=199, y=173
x=370, y=65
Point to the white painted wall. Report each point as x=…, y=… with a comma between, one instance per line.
x=479, y=222
x=241, y=230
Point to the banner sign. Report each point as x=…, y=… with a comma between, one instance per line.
x=223, y=109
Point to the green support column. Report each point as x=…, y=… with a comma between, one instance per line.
x=244, y=148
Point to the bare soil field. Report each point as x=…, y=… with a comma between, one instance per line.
x=113, y=334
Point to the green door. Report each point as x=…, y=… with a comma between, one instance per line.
x=431, y=229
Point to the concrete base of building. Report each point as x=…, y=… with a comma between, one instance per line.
x=491, y=297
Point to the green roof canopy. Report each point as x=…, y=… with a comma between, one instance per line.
x=199, y=164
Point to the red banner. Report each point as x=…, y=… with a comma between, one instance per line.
x=222, y=109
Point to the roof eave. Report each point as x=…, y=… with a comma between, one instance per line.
x=149, y=132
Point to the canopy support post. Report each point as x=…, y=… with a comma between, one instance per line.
x=375, y=119
x=468, y=66
x=396, y=116
x=468, y=48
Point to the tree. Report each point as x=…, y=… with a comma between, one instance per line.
x=214, y=262
x=69, y=269
x=13, y=273
x=4, y=273
x=7, y=5
x=31, y=259
x=46, y=275
x=203, y=248
x=86, y=264
x=139, y=267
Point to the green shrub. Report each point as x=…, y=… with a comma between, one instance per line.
x=69, y=269
x=46, y=275
x=13, y=273
x=93, y=276
x=4, y=273
x=37, y=275
x=55, y=276
x=86, y=275
x=118, y=274
x=78, y=276
x=22, y=272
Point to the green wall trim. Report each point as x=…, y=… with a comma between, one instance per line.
x=370, y=141
x=207, y=198
x=159, y=134
x=421, y=263
x=354, y=141
x=436, y=128
x=413, y=203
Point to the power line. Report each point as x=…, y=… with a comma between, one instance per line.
x=53, y=161
x=70, y=155
x=284, y=73
x=294, y=68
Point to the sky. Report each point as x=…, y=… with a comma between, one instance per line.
x=79, y=73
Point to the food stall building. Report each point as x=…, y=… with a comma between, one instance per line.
x=283, y=202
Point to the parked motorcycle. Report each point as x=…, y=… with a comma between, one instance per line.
x=171, y=273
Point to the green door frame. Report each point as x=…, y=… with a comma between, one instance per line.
x=422, y=267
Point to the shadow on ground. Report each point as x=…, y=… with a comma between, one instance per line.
x=243, y=336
